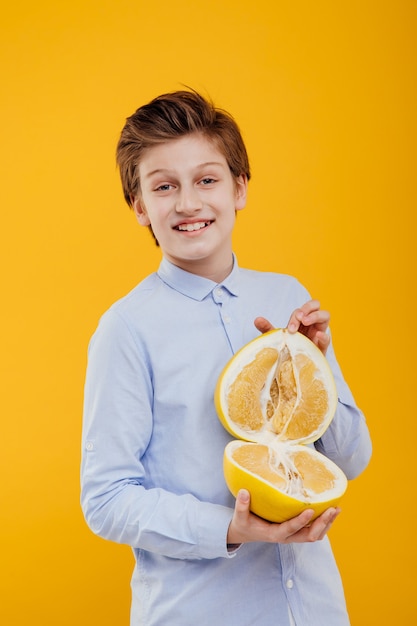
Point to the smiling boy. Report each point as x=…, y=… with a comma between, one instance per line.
x=152, y=473
x=189, y=197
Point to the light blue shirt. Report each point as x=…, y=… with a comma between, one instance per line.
x=152, y=474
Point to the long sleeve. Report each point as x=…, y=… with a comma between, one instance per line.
x=346, y=441
x=118, y=499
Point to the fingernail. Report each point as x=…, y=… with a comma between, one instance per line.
x=243, y=495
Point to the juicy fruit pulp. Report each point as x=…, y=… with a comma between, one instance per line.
x=293, y=472
x=278, y=392
x=295, y=400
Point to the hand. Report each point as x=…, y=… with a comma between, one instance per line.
x=309, y=320
x=246, y=527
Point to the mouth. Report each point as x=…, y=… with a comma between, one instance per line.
x=192, y=227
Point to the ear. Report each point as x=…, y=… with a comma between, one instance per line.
x=241, y=192
x=140, y=211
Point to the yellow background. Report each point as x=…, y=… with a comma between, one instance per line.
x=325, y=94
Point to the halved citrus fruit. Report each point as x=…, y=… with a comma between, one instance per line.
x=276, y=395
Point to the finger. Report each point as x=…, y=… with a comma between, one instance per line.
x=287, y=531
x=320, y=319
x=295, y=321
x=263, y=325
x=237, y=532
x=322, y=341
x=321, y=526
x=242, y=503
x=298, y=316
x=300, y=530
x=310, y=306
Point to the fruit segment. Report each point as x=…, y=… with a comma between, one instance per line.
x=244, y=398
x=302, y=397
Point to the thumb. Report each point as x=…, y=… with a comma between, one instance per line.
x=263, y=325
x=242, y=501
x=237, y=532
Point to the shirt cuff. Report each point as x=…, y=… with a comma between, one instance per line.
x=212, y=531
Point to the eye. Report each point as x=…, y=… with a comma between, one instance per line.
x=164, y=187
x=207, y=181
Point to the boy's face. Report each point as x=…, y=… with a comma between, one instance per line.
x=189, y=197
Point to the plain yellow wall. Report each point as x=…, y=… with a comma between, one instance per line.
x=325, y=94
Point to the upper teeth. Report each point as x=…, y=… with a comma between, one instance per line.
x=190, y=227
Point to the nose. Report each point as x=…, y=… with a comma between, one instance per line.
x=188, y=200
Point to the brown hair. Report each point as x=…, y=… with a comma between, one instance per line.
x=171, y=116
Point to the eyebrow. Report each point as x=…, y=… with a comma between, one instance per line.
x=168, y=171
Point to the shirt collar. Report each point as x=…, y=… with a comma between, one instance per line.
x=192, y=285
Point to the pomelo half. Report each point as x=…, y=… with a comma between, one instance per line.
x=276, y=395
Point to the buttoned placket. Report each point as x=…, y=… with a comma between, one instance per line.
x=286, y=555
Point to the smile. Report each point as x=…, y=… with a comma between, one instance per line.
x=192, y=227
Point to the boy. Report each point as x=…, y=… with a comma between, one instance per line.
x=152, y=443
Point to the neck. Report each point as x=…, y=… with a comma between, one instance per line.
x=206, y=270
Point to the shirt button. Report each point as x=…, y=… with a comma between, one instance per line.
x=219, y=292
x=227, y=319
x=290, y=583
x=89, y=446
